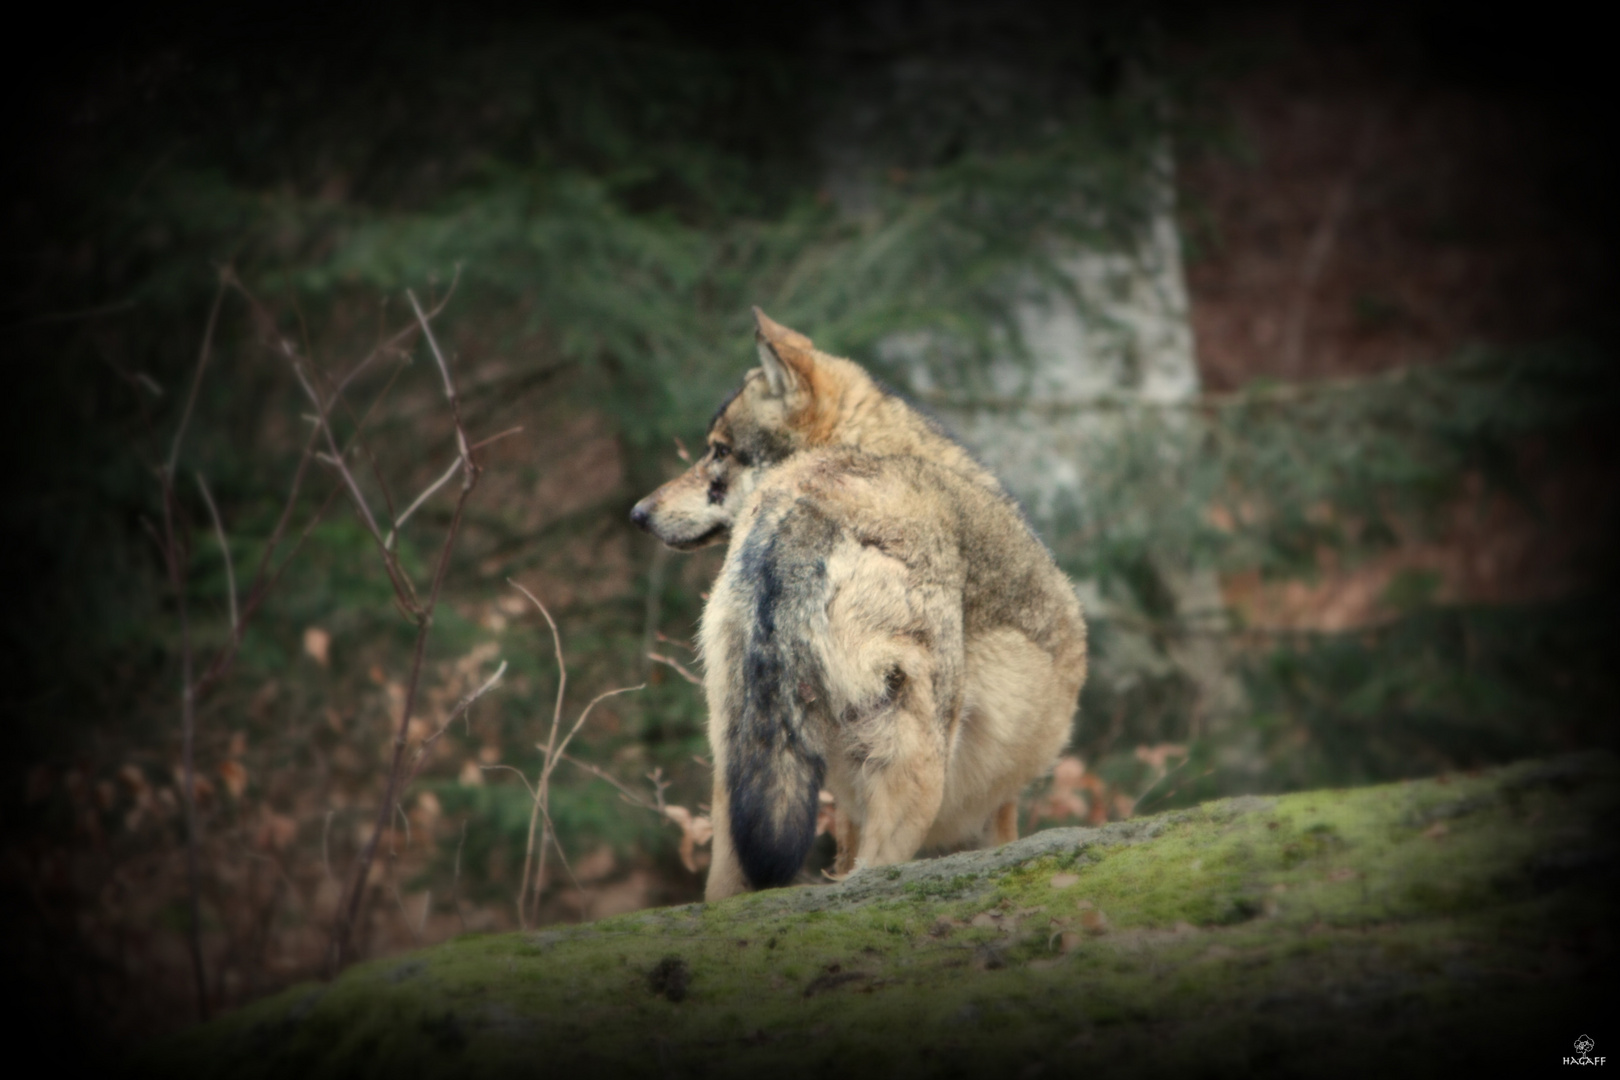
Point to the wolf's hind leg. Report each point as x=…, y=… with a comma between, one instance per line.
x=848, y=834
x=899, y=810
x=1006, y=822
x=726, y=877
x=903, y=788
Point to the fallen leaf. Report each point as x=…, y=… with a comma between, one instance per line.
x=317, y=644
x=135, y=778
x=275, y=831
x=696, y=831
x=1437, y=830
x=1063, y=881
x=428, y=811
x=234, y=776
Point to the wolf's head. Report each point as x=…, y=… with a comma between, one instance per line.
x=796, y=399
x=782, y=406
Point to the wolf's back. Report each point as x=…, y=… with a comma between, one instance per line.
x=772, y=603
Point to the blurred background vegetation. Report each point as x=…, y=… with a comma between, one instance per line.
x=1410, y=527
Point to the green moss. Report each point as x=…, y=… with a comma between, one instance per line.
x=1247, y=929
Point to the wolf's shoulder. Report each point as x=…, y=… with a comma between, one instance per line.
x=883, y=493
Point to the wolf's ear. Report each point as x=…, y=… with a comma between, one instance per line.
x=785, y=355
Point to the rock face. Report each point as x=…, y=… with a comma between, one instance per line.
x=1459, y=922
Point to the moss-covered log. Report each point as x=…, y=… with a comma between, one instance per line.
x=1405, y=928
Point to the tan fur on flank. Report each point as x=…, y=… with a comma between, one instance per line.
x=885, y=625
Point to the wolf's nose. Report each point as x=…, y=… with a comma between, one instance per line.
x=640, y=517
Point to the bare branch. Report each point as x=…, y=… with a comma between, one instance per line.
x=679, y=668
x=540, y=794
x=400, y=900
x=197, y=375
x=326, y=853
x=174, y=556
x=666, y=639
x=455, y=879
x=581, y=721
x=518, y=772
x=497, y=437
x=556, y=642
x=224, y=548
x=334, y=455
x=399, y=522
x=625, y=791
x=423, y=613
x=461, y=707
x=562, y=856
x=444, y=370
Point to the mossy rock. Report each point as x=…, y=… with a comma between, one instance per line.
x=1457, y=922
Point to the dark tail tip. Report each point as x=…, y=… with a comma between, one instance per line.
x=773, y=816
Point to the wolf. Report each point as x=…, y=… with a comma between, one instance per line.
x=885, y=625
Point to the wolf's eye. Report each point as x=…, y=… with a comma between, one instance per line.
x=721, y=450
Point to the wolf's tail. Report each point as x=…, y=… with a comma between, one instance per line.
x=776, y=753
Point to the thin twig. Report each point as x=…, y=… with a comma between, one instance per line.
x=175, y=557
x=326, y=853
x=543, y=789
x=334, y=456
x=399, y=522
x=586, y=899
x=455, y=879
x=519, y=772
x=667, y=640
x=188, y=737
x=498, y=437
x=403, y=589
x=444, y=370
x=562, y=748
x=556, y=719
x=655, y=597
x=461, y=707
x=196, y=376
x=676, y=664
x=261, y=587
x=405, y=915
x=625, y=791
x=224, y=548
